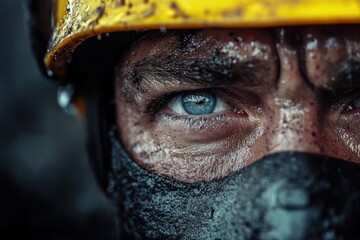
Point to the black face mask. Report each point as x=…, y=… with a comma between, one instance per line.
x=283, y=196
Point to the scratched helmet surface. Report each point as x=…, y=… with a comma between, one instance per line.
x=77, y=20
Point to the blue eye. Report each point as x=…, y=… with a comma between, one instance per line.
x=197, y=103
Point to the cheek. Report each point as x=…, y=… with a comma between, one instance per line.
x=346, y=128
x=188, y=154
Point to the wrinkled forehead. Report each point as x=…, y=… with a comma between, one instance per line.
x=310, y=37
x=198, y=42
x=326, y=54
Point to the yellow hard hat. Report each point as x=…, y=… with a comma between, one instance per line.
x=76, y=20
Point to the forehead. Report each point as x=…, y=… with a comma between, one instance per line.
x=154, y=42
x=196, y=41
x=326, y=55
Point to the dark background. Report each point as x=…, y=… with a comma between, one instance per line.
x=47, y=189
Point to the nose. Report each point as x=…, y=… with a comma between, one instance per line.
x=295, y=127
x=294, y=122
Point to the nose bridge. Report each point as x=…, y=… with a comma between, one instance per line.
x=295, y=123
x=295, y=127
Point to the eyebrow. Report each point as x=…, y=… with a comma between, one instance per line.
x=347, y=77
x=214, y=70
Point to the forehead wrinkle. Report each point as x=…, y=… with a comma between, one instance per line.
x=216, y=69
x=185, y=40
x=183, y=61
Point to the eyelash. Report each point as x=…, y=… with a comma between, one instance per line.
x=156, y=105
x=347, y=104
x=159, y=103
x=197, y=122
x=343, y=104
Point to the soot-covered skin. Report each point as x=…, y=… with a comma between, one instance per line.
x=288, y=195
x=282, y=89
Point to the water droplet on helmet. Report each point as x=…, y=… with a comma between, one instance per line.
x=65, y=95
x=50, y=73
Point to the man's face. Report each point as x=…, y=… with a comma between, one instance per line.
x=199, y=105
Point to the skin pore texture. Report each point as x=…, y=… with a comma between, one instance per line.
x=280, y=89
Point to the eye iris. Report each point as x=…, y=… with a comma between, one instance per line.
x=199, y=103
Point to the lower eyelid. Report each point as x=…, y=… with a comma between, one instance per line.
x=194, y=122
x=228, y=115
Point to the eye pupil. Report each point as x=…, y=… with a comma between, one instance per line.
x=199, y=103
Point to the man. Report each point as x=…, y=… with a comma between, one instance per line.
x=235, y=120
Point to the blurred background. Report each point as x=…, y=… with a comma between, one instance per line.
x=47, y=188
